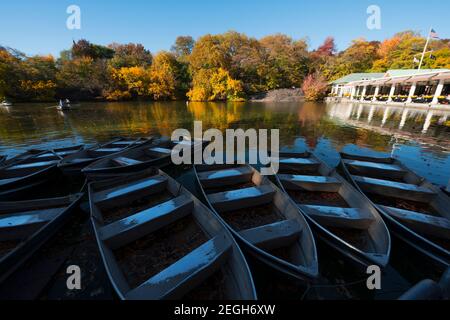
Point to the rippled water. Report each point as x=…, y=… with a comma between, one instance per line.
x=419, y=138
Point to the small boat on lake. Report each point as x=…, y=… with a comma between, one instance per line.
x=64, y=105
x=157, y=154
x=261, y=217
x=6, y=103
x=19, y=176
x=158, y=241
x=338, y=213
x=74, y=163
x=415, y=210
x=26, y=225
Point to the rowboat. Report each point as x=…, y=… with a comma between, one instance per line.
x=61, y=152
x=157, y=155
x=20, y=176
x=341, y=216
x=414, y=209
x=26, y=225
x=6, y=103
x=262, y=218
x=74, y=163
x=157, y=241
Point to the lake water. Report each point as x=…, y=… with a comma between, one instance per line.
x=421, y=139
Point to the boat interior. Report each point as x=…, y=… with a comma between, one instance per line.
x=403, y=195
x=259, y=212
x=159, y=242
x=332, y=203
x=20, y=220
x=31, y=165
x=134, y=157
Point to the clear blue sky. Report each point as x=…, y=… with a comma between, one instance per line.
x=39, y=27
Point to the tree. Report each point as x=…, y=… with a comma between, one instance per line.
x=164, y=74
x=285, y=63
x=327, y=49
x=183, y=46
x=84, y=48
x=215, y=84
x=314, y=87
x=82, y=78
x=130, y=55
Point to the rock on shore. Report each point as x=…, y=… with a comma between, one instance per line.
x=280, y=95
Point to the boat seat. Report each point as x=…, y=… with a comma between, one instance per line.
x=225, y=177
x=125, y=193
x=178, y=279
x=421, y=222
x=273, y=236
x=299, y=163
x=374, y=158
x=241, y=198
x=385, y=170
x=161, y=150
x=124, y=161
x=129, y=229
x=310, y=183
x=108, y=150
x=399, y=190
x=123, y=142
x=21, y=225
x=32, y=165
x=350, y=218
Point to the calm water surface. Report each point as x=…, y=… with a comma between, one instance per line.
x=421, y=139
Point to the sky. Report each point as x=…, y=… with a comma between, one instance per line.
x=39, y=26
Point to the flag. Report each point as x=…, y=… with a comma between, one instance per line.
x=416, y=60
x=433, y=34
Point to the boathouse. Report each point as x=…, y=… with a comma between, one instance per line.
x=405, y=86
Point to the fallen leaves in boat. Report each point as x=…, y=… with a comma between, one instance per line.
x=404, y=204
x=151, y=254
x=319, y=198
x=214, y=288
x=250, y=218
x=357, y=238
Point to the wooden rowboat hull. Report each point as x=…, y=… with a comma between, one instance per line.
x=219, y=252
x=105, y=169
x=13, y=260
x=428, y=248
x=306, y=272
x=330, y=181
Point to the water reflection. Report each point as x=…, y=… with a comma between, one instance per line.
x=420, y=138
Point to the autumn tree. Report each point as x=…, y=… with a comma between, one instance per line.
x=314, y=87
x=183, y=46
x=130, y=55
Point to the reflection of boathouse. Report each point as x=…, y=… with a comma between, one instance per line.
x=401, y=121
x=397, y=87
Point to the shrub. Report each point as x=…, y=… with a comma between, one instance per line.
x=314, y=87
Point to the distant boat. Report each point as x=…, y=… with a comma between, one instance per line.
x=64, y=105
x=6, y=103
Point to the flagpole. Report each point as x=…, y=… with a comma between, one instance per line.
x=425, y=49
